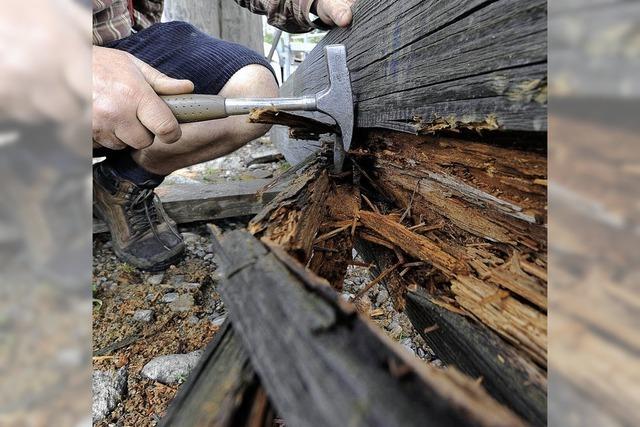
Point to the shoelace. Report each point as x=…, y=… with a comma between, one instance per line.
x=144, y=208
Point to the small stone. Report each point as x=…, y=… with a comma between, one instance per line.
x=169, y=298
x=208, y=257
x=218, y=321
x=396, y=332
x=347, y=296
x=156, y=279
x=190, y=286
x=108, y=245
x=182, y=303
x=108, y=389
x=393, y=325
x=193, y=320
x=210, y=248
x=437, y=363
x=143, y=316
x=382, y=297
x=200, y=253
x=177, y=279
x=150, y=297
x=190, y=237
x=172, y=368
x=407, y=344
x=420, y=353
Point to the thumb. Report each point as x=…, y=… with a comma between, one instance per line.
x=338, y=12
x=161, y=83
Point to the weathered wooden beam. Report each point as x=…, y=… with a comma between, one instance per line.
x=323, y=365
x=187, y=203
x=421, y=66
x=223, y=390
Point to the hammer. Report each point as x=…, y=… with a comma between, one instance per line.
x=335, y=101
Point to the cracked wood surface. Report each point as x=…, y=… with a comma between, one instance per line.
x=421, y=67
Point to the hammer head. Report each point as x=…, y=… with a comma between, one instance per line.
x=337, y=101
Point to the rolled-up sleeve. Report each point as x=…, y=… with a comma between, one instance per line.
x=291, y=16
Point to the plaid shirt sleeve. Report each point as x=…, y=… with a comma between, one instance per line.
x=291, y=16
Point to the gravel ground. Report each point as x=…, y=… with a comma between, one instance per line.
x=165, y=319
x=379, y=307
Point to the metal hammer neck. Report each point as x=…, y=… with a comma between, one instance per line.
x=245, y=105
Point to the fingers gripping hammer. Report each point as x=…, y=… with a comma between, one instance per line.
x=335, y=101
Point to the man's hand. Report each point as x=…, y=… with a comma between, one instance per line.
x=335, y=12
x=127, y=110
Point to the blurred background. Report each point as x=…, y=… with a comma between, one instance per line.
x=45, y=204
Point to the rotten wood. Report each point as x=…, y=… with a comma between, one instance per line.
x=294, y=217
x=300, y=127
x=336, y=366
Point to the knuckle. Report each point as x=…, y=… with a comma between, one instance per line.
x=168, y=128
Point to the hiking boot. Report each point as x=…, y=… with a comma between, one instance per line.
x=142, y=233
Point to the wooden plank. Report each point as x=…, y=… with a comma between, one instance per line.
x=323, y=365
x=222, y=391
x=186, y=203
x=454, y=64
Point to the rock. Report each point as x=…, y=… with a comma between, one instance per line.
x=150, y=297
x=156, y=279
x=193, y=320
x=396, y=332
x=406, y=343
x=218, y=320
x=182, y=303
x=108, y=389
x=421, y=353
x=210, y=248
x=347, y=296
x=393, y=325
x=172, y=368
x=190, y=237
x=177, y=279
x=190, y=286
x=169, y=298
x=208, y=256
x=257, y=166
x=437, y=363
x=382, y=297
x=143, y=316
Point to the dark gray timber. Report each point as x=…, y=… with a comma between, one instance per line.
x=222, y=391
x=474, y=350
x=187, y=203
x=321, y=365
x=423, y=66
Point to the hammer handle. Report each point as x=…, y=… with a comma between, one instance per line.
x=196, y=108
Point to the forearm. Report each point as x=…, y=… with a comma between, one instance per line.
x=291, y=16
